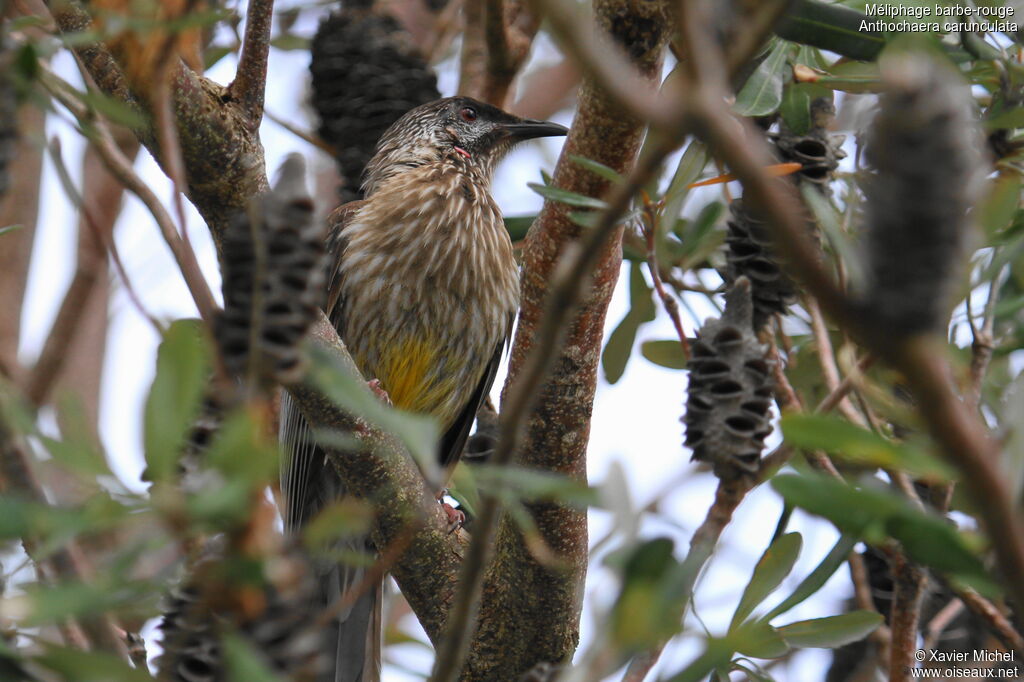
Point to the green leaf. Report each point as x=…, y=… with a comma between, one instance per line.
x=937, y=543
x=667, y=353
x=762, y=93
x=775, y=564
x=850, y=442
x=341, y=385
x=346, y=518
x=290, y=42
x=828, y=218
x=114, y=110
x=10, y=228
x=818, y=577
x=830, y=27
x=831, y=632
x=244, y=662
x=1000, y=206
x=877, y=513
x=596, y=167
x=852, y=77
x=796, y=108
x=759, y=640
x=691, y=165
x=89, y=666
x=564, y=196
x=617, y=351
x=173, y=402
x=530, y=485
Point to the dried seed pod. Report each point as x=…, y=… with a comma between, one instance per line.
x=273, y=264
x=275, y=619
x=728, y=406
x=749, y=254
x=817, y=151
x=925, y=148
x=366, y=74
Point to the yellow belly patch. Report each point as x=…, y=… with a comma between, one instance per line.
x=409, y=371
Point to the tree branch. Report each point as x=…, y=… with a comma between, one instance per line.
x=545, y=599
x=509, y=28
x=250, y=82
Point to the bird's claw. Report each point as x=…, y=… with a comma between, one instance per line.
x=456, y=519
x=378, y=390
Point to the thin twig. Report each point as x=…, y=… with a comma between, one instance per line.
x=302, y=134
x=940, y=621
x=121, y=168
x=250, y=82
x=826, y=357
x=650, y=229
x=997, y=622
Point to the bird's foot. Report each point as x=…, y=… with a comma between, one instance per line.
x=379, y=391
x=456, y=518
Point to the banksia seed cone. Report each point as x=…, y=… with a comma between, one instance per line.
x=818, y=151
x=273, y=267
x=366, y=74
x=278, y=624
x=749, y=254
x=925, y=148
x=729, y=397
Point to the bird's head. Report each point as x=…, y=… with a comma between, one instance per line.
x=478, y=132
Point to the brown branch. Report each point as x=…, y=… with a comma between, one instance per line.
x=249, y=86
x=509, y=28
x=908, y=590
x=650, y=228
x=473, y=57
x=19, y=206
x=997, y=622
x=940, y=621
x=826, y=358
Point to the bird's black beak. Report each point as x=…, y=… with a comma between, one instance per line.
x=528, y=129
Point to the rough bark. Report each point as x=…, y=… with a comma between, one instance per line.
x=530, y=611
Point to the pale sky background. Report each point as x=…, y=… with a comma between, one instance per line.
x=636, y=428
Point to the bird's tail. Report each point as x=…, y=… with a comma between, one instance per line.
x=357, y=630
x=308, y=484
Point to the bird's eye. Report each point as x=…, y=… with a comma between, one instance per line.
x=468, y=114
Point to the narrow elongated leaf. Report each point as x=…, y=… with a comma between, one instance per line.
x=1000, y=206
x=876, y=514
x=830, y=27
x=667, y=353
x=89, y=666
x=759, y=640
x=796, y=108
x=245, y=663
x=518, y=226
x=832, y=631
x=597, y=168
x=772, y=568
x=762, y=93
x=691, y=165
x=417, y=432
x=818, y=577
x=9, y=228
x=181, y=370
x=850, y=442
x=564, y=196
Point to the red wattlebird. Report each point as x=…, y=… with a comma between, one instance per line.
x=423, y=291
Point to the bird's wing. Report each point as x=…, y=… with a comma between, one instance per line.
x=306, y=484
x=454, y=440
